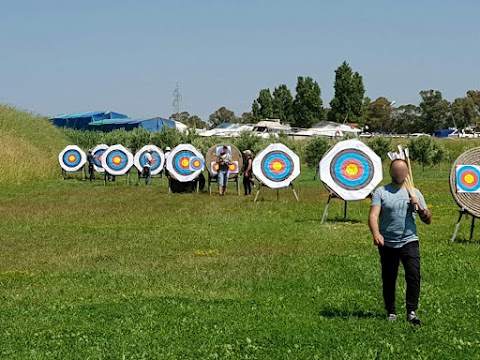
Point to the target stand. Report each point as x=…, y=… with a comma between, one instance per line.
x=465, y=188
x=278, y=192
x=83, y=170
x=463, y=213
x=213, y=179
x=331, y=196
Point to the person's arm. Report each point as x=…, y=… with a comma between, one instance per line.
x=249, y=167
x=422, y=210
x=373, y=224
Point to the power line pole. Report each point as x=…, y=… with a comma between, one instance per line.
x=177, y=98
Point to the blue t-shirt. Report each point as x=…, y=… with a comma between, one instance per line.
x=397, y=216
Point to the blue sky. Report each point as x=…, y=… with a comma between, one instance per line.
x=127, y=56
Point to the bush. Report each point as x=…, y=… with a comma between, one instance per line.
x=249, y=141
x=381, y=146
x=426, y=150
x=315, y=149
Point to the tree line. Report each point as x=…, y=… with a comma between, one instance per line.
x=349, y=105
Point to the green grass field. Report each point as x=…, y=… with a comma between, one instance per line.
x=130, y=272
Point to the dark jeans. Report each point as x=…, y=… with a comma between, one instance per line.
x=147, y=172
x=91, y=174
x=247, y=184
x=390, y=258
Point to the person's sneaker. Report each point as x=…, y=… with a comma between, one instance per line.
x=413, y=318
x=392, y=317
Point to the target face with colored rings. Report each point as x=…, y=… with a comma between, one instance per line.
x=351, y=170
x=158, y=159
x=72, y=158
x=117, y=160
x=276, y=166
x=185, y=163
x=468, y=178
x=232, y=168
x=97, y=153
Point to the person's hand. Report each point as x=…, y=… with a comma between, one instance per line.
x=415, y=201
x=378, y=239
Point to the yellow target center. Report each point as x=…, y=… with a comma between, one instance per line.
x=277, y=166
x=352, y=169
x=185, y=162
x=71, y=158
x=117, y=160
x=469, y=179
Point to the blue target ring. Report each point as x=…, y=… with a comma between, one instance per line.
x=72, y=158
x=182, y=162
x=97, y=157
x=117, y=160
x=473, y=173
x=196, y=163
x=277, y=166
x=351, y=169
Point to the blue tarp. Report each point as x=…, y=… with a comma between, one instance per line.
x=153, y=124
x=80, y=121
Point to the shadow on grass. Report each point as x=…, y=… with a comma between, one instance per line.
x=330, y=221
x=347, y=313
x=465, y=241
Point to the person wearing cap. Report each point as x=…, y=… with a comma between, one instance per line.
x=147, y=166
x=392, y=222
x=90, y=160
x=167, y=154
x=247, y=172
x=223, y=165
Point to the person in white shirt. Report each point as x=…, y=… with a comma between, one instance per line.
x=147, y=167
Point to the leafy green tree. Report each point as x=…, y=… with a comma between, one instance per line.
x=379, y=115
x=265, y=101
x=434, y=111
x=308, y=105
x=347, y=103
x=282, y=104
x=222, y=115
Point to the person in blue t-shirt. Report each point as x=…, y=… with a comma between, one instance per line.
x=392, y=222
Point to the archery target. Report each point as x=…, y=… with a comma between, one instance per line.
x=97, y=153
x=468, y=178
x=276, y=166
x=117, y=160
x=233, y=168
x=185, y=163
x=158, y=159
x=351, y=170
x=72, y=158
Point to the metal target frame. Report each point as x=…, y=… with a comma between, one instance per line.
x=122, y=155
x=97, y=153
x=276, y=167
x=157, y=155
x=76, y=157
x=350, y=171
x=185, y=163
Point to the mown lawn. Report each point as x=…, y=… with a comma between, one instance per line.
x=129, y=272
